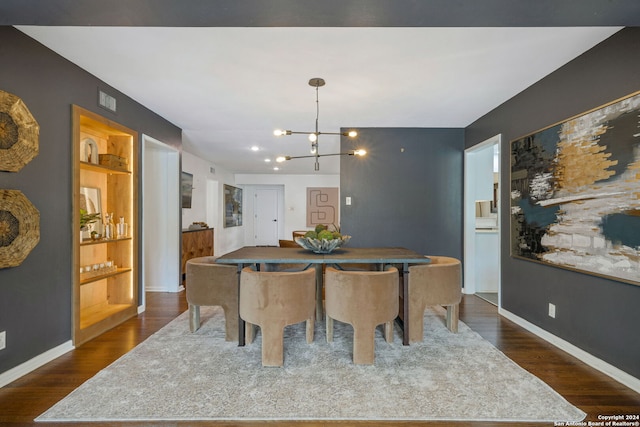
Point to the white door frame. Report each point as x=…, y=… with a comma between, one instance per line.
x=470, y=214
x=168, y=210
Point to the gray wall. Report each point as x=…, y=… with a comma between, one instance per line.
x=35, y=297
x=597, y=315
x=406, y=192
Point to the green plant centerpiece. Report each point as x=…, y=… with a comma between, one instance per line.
x=322, y=240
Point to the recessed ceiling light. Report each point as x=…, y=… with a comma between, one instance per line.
x=255, y=148
x=267, y=160
x=276, y=168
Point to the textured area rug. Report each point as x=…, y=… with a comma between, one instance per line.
x=175, y=375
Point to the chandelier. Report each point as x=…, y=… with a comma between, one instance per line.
x=313, y=136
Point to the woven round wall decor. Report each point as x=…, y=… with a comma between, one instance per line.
x=19, y=133
x=19, y=228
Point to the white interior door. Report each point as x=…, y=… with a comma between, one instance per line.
x=161, y=217
x=266, y=216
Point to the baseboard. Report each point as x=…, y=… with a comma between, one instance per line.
x=31, y=365
x=596, y=363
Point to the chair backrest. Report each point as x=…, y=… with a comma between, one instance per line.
x=299, y=233
x=377, y=290
x=288, y=244
x=209, y=283
x=266, y=295
x=440, y=280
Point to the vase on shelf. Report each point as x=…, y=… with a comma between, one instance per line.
x=109, y=227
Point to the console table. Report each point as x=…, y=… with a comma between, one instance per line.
x=195, y=243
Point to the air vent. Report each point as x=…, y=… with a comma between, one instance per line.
x=106, y=101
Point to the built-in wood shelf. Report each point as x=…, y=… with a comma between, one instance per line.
x=89, y=242
x=107, y=299
x=105, y=276
x=95, y=315
x=102, y=168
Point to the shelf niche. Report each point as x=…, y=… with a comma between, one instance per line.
x=104, y=301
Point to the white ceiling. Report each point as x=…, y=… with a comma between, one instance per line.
x=229, y=88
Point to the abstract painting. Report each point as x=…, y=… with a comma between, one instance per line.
x=575, y=193
x=232, y=206
x=322, y=206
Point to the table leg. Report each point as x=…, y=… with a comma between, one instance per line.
x=241, y=340
x=405, y=303
x=319, y=284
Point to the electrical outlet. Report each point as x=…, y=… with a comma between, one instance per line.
x=552, y=310
x=3, y=339
x=347, y=201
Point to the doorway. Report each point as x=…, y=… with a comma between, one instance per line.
x=268, y=214
x=482, y=220
x=161, y=217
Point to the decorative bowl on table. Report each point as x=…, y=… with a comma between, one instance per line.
x=322, y=246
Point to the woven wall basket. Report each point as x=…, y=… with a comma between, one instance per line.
x=19, y=228
x=19, y=133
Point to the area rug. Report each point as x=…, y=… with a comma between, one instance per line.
x=175, y=375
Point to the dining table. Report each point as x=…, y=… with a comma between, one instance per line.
x=268, y=257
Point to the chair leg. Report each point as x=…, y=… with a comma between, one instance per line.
x=363, y=345
x=272, y=345
x=388, y=331
x=329, y=322
x=249, y=332
x=453, y=313
x=230, y=324
x=194, y=317
x=310, y=330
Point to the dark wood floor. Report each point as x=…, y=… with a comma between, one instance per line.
x=588, y=389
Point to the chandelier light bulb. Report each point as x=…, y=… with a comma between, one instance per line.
x=360, y=152
x=281, y=159
x=278, y=132
x=313, y=137
x=352, y=134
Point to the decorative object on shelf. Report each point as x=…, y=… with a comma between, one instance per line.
x=19, y=228
x=89, y=151
x=322, y=240
x=90, y=212
x=109, y=226
x=86, y=221
x=19, y=133
x=96, y=270
x=198, y=226
x=574, y=193
x=313, y=136
x=232, y=206
x=122, y=229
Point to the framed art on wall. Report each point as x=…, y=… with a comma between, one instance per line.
x=322, y=206
x=575, y=193
x=232, y=206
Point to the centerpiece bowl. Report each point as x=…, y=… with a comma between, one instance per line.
x=322, y=246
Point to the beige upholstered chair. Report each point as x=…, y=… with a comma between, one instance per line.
x=209, y=283
x=299, y=233
x=436, y=283
x=364, y=299
x=288, y=244
x=273, y=300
